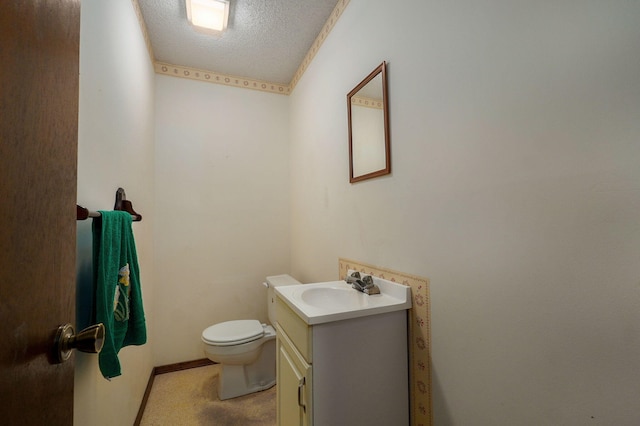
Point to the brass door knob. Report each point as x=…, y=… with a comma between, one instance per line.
x=89, y=340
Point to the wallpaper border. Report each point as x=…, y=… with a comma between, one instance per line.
x=214, y=77
x=366, y=102
x=419, y=333
x=237, y=81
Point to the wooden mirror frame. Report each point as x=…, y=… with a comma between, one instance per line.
x=381, y=69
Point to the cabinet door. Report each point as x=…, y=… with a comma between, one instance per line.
x=294, y=386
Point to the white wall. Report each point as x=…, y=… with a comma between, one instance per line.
x=515, y=130
x=222, y=208
x=115, y=149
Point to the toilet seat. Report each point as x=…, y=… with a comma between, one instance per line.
x=232, y=333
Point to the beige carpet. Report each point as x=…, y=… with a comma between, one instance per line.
x=190, y=397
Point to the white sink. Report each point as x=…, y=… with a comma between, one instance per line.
x=331, y=297
x=335, y=300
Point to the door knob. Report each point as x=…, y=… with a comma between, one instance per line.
x=89, y=340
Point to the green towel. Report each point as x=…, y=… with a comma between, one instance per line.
x=118, y=294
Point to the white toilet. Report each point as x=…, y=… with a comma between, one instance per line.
x=246, y=349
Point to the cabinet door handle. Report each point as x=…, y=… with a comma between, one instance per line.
x=300, y=389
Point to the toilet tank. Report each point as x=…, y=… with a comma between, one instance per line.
x=271, y=283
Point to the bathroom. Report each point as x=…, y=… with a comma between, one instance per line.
x=515, y=189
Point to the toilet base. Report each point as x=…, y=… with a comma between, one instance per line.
x=238, y=380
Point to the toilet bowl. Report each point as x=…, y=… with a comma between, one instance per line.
x=246, y=349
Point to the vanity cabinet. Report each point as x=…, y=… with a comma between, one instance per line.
x=348, y=372
x=294, y=380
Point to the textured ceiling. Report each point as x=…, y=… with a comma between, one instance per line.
x=265, y=40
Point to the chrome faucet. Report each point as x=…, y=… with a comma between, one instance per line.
x=364, y=285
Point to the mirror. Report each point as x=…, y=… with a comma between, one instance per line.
x=368, y=114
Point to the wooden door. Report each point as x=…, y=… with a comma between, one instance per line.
x=39, y=60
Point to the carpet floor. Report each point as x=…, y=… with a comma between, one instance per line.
x=190, y=398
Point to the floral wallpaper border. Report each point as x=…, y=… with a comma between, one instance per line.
x=366, y=102
x=235, y=81
x=324, y=33
x=143, y=29
x=214, y=77
x=419, y=332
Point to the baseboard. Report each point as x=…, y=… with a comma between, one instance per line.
x=145, y=398
x=167, y=369
x=183, y=366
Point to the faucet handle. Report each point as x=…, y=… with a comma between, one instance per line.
x=365, y=285
x=354, y=277
x=367, y=280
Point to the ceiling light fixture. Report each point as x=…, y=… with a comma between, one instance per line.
x=211, y=15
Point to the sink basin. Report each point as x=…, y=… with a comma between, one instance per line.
x=331, y=297
x=319, y=303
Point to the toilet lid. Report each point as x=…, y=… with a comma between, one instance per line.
x=233, y=332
